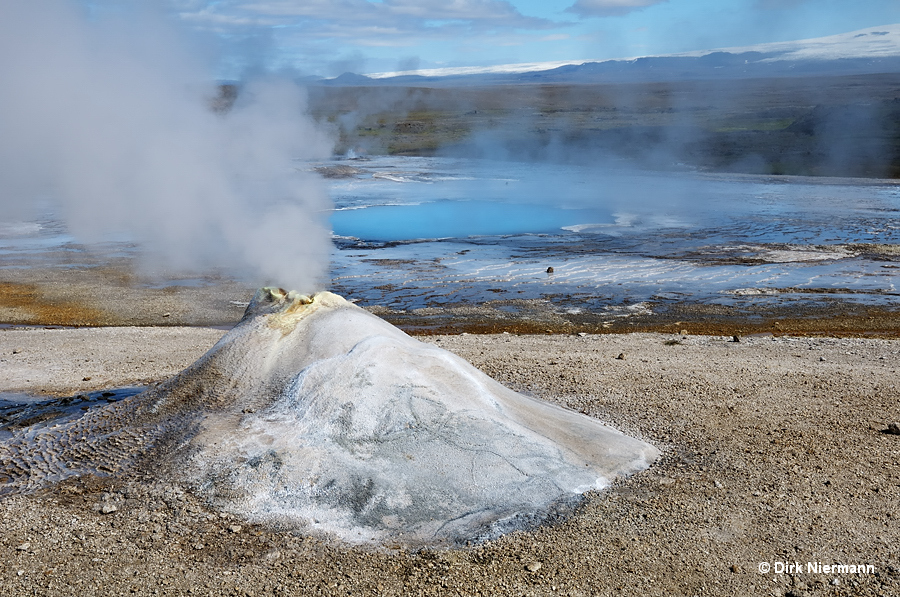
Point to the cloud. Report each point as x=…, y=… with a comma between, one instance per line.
x=423, y=10
x=369, y=21
x=310, y=35
x=474, y=11
x=608, y=8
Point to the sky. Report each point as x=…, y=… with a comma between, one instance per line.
x=329, y=37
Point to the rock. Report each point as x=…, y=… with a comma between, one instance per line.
x=735, y=338
x=337, y=172
x=108, y=508
x=621, y=356
x=235, y=528
x=23, y=547
x=582, y=334
x=893, y=428
x=86, y=378
x=550, y=270
x=533, y=566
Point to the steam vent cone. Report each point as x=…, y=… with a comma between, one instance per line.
x=316, y=414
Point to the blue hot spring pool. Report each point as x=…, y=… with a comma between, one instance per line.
x=458, y=219
x=413, y=233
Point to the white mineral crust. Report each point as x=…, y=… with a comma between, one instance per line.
x=359, y=430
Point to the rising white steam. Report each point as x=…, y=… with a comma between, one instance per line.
x=110, y=119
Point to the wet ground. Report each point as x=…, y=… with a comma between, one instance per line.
x=88, y=297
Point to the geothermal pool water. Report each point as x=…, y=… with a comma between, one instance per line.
x=423, y=232
x=455, y=218
x=413, y=232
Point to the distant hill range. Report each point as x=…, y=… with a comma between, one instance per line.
x=867, y=51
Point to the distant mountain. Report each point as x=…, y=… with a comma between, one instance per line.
x=874, y=42
x=348, y=80
x=866, y=51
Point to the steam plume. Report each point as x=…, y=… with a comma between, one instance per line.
x=111, y=119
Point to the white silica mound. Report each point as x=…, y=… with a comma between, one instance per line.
x=315, y=414
x=360, y=430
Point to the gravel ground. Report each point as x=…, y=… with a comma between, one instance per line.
x=775, y=451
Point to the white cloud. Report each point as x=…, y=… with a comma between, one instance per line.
x=317, y=33
x=343, y=18
x=330, y=10
x=605, y=8
x=463, y=10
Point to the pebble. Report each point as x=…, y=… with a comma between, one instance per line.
x=533, y=566
x=108, y=509
x=23, y=547
x=235, y=528
x=621, y=356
